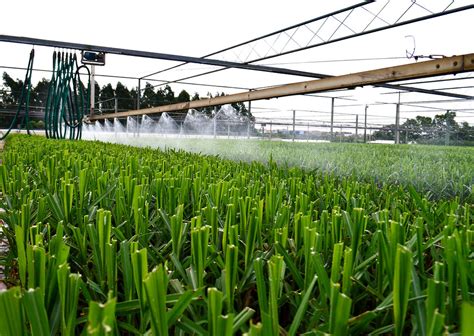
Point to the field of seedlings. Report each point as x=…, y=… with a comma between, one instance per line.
x=107, y=239
x=438, y=171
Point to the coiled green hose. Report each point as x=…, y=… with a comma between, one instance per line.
x=68, y=98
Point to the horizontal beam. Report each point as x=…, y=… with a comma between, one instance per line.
x=187, y=59
x=445, y=66
x=154, y=55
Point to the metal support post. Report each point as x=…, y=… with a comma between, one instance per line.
x=307, y=135
x=92, y=80
x=138, y=94
x=365, y=123
x=250, y=106
x=215, y=122
x=357, y=129
x=397, y=124
x=332, y=118
x=294, y=120
x=447, y=128
x=116, y=104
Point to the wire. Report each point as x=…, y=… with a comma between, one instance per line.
x=337, y=60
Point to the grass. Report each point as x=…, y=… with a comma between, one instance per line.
x=109, y=239
x=438, y=171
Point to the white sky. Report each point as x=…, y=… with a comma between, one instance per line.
x=196, y=28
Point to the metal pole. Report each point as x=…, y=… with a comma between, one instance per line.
x=138, y=94
x=215, y=122
x=92, y=80
x=250, y=105
x=116, y=104
x=307, y=136
x=365, y=123
x=447, y=130
x=357, y=128
x=294, y=119
x=248, y=118
x=332, y=118
x=397, y=124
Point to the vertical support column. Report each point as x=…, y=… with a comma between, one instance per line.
x=397, y=124
x=357, y=128
x=250, y=105
x=92, y=81
x=215, y=122
x=139, y=90
x=116, y=104
x=447, y=128
x=294, y=120
x=307, y=135
x=365, y=123
x=248, y=128
x=332, y=118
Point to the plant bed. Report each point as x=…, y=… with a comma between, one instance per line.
x=111, y=239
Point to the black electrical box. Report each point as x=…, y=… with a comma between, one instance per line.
x=93, y=57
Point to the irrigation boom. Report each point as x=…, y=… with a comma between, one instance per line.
x=438, y=67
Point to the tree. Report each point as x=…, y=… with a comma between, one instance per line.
x=106, y=98
x=168, y=95
x=442, y=129
x=11, y=95
x=107, y=93
x=466, y=133
x=183, y=97
x=125, y=101
x=148, y=98
x=39, y=94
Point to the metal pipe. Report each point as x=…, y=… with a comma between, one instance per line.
x=332, y=118
x=365, y=123
x=357, y=128
x=365, y=32
x=294, y=124
x=362, y=3
x=92, y=81
x=397, y=124
x=154, y=55
x=375, y=30
x=138, y=94
x=448, y=65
